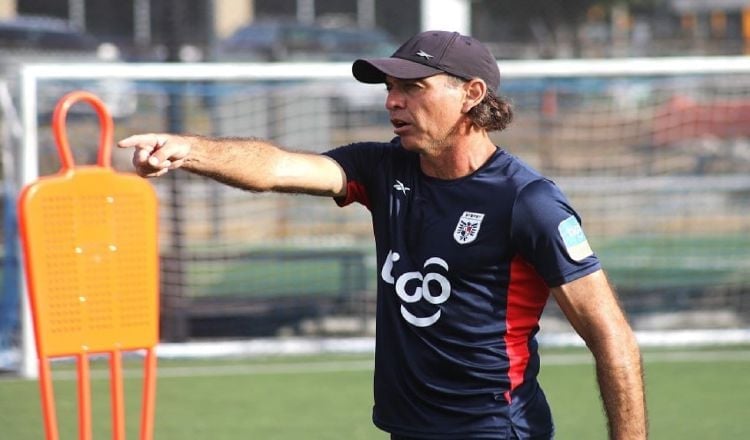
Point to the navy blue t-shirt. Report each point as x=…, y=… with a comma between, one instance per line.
x=464, y=271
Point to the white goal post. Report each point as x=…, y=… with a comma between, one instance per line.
x=32, y=75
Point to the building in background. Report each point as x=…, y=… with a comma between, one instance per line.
x=152, y=29
x=715, y=20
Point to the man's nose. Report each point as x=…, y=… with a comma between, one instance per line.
x=394, y=99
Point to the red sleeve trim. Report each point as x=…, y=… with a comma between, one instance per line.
x=355, y=192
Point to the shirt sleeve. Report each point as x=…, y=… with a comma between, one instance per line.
x=547, y=232
x=359, y=161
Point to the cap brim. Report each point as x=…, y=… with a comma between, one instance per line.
x=374, y=71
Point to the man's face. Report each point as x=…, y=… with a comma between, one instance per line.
x=425, y=112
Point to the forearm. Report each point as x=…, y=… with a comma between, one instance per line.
x=620, y=375
x=250, y=164
x=592, y=308
x=245, y=163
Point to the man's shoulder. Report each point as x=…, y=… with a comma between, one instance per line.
x=518, y=172
x=393, y=145
x=371, y=149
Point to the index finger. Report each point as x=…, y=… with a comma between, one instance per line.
x=144, y=142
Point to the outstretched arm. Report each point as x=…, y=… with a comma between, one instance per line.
x=591, y=306
x=247, y=163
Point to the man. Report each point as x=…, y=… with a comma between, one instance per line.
x=470, y=241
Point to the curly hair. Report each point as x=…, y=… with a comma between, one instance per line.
x=493, y=113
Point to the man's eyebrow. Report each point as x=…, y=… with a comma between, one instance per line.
x=405, y=80
x=392, y=82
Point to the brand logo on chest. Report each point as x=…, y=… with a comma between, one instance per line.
x=412, y=287
x=468, y=227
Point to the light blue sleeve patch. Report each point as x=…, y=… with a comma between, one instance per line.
x=575, y=240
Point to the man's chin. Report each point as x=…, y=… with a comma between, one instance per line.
x=410, y=144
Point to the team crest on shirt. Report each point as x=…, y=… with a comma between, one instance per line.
x=468, y=227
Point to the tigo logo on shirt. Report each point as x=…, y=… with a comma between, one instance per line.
x=412, y=287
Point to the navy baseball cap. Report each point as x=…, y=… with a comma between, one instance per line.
x=429, y=53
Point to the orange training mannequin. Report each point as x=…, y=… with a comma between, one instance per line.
x=89, y=236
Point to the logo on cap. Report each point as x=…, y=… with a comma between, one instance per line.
x=424, y=55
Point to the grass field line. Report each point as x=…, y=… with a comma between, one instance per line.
x=235, y=369
x=297, y=367
x=655, y=357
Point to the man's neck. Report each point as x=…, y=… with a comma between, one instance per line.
x=463, y=157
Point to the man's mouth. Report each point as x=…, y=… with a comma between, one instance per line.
x=399, y=125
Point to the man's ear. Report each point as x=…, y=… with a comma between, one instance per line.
x=476, y=90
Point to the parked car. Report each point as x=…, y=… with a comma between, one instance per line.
x=292, y=41
x=347, y=44
x=36, y=39
x=48, y=34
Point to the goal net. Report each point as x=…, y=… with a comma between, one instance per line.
x=654, y=154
